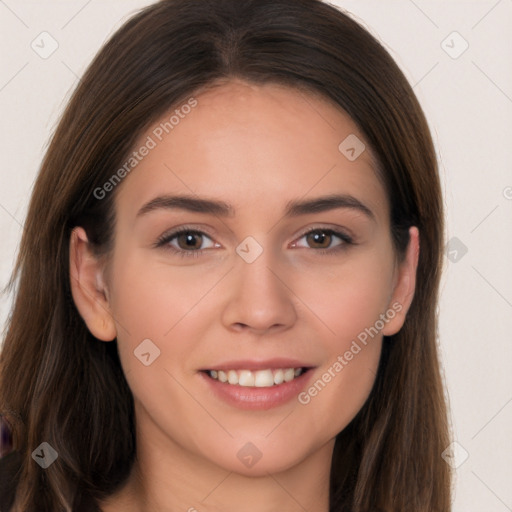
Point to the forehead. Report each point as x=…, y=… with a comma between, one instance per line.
x=253, y=145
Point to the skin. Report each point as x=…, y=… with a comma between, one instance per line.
x=255, y=147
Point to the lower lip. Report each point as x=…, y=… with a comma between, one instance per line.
x=253, y=398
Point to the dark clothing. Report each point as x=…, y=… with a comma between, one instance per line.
x=10, y=465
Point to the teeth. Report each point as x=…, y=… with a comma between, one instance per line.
x=258, y=379
x=263, y=379
x=279, y=377
x=246, y=378
x=289, y=374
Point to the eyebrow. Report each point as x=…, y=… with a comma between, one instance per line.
x=223, y=209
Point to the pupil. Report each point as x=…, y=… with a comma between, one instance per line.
x=189, y=241
x=319, y=238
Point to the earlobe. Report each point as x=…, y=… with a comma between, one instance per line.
x=405, y=285
x=88, y=288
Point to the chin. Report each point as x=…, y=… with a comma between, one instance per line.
x=260, y=458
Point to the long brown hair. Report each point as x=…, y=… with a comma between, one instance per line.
x=60, y=385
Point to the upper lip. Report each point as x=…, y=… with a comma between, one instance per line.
x=262, y=364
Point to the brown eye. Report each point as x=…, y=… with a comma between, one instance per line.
x=189, y=240
x=186, y=242
x=325, y=241
x=319, y=239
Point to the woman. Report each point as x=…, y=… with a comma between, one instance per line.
x=227, y=283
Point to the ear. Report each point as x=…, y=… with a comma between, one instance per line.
x=88, y=287
x=404, y=285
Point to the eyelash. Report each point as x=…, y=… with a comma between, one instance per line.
x=166, y=238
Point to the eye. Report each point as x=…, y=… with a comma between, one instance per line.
x=187, y=242
x=190, y=242
x=324, y=240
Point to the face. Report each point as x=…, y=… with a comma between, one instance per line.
x=283, y=283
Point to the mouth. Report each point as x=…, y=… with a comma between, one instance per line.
x=256, y=378
x=256, y=385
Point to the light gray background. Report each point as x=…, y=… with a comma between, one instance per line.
x=468, y=102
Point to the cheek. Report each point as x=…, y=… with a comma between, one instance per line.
x=349, y=300
x=348, y=297
x=340, y=387
x=151, y=297
x=165, y=304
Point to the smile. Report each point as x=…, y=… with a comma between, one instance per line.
x=258, y=379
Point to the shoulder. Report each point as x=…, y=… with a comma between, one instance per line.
x=10, y=466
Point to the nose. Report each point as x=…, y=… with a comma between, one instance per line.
x=260, y=299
